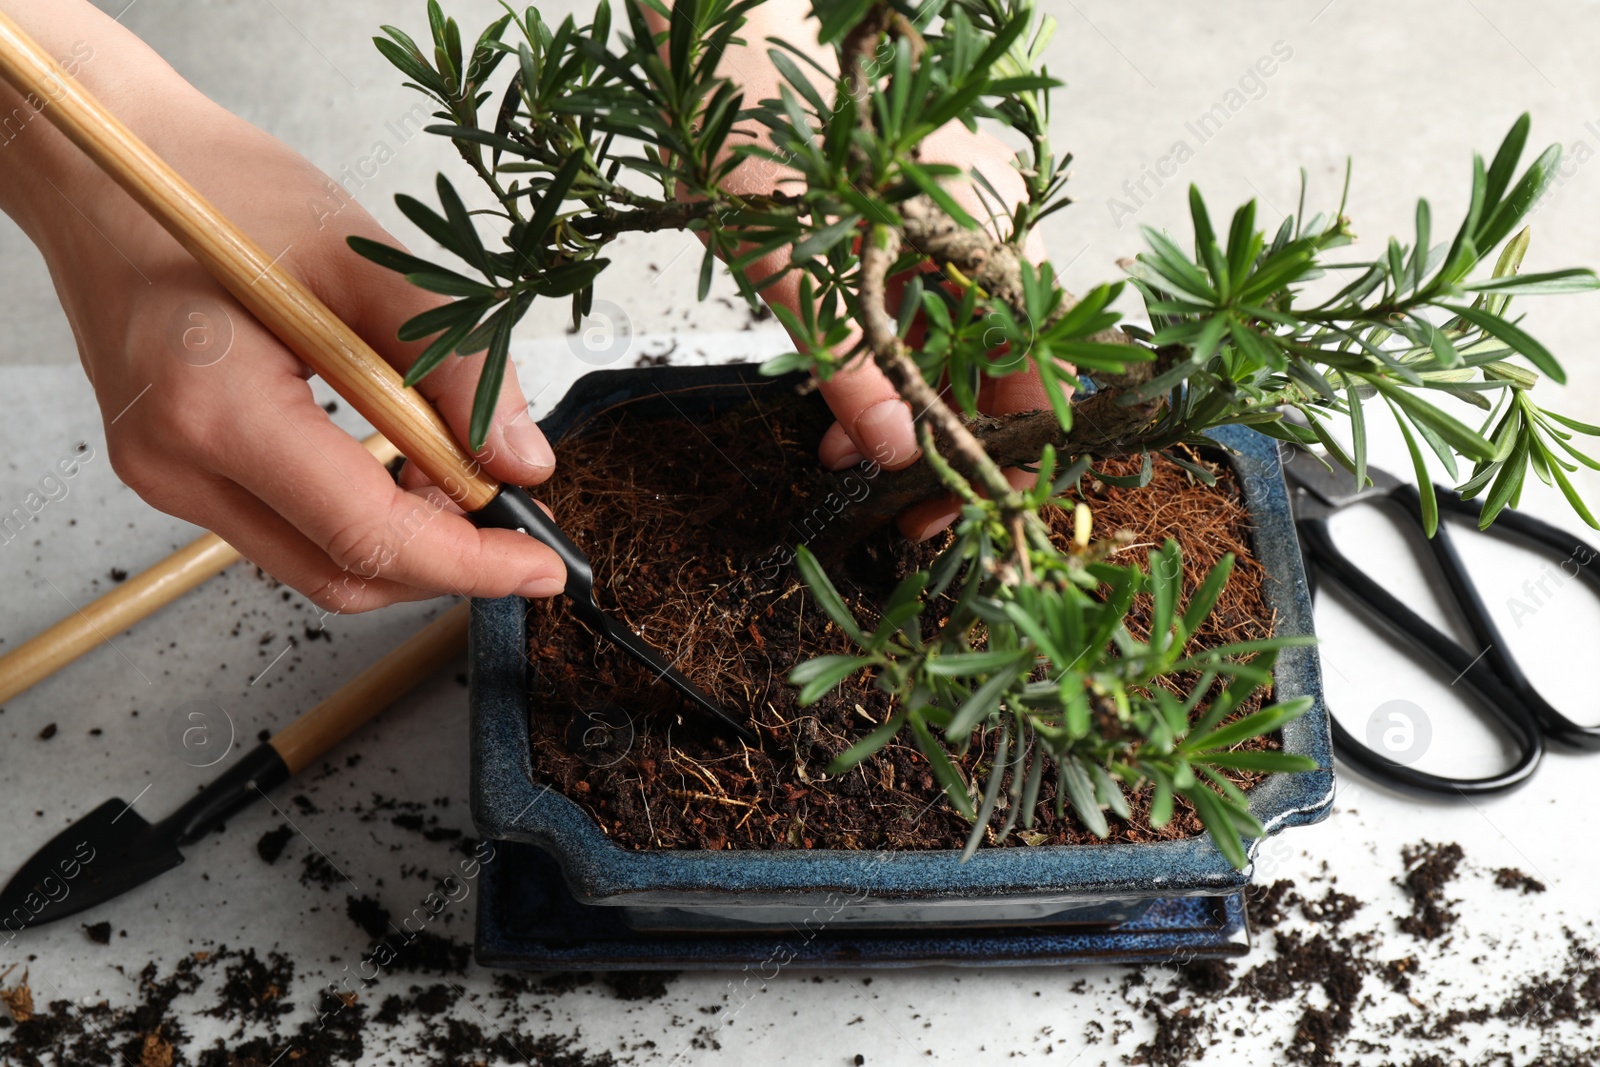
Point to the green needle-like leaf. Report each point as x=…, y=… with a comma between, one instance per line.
x=1576, y=280
x=435, y=353
x=487, y=397
x=1261, y=722
x=826, y=596
x=1511, y=211
x=465, y=240
x=938, y=194
x=440, y=318
x=548, y=205
x=869, y=744
x=1205, y=597
x=1218, y=824
x=1419, y=467
x=1081, y=791
x=984, y=700
x=1537, y=354
x=944, y=771
x=817, y=677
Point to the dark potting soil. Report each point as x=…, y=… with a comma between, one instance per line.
x=1511, y=878
x=1330, y=980
x=638, y=985
x=304, y=1021
x=317, y=871
x=1317, y=975
x=1429, y=869
x=689, y=530
x=254, y=991
x=372, y=917
x=272, y=843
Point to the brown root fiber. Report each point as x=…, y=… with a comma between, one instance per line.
x=690, y=528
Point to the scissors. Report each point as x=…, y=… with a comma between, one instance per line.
x=1489, y=675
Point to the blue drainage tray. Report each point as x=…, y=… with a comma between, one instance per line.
x=528, y=920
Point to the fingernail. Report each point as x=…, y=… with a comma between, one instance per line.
x=526, y=441
x=885, y=430
x=844, y=463
x=539, y=588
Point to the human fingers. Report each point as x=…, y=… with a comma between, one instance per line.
x=921, y=521
x=874, y=422
x=272, y=543
x=324, y=484
x=412, y=480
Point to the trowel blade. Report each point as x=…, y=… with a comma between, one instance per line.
x=102, y=855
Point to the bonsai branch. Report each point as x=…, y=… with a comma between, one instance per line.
x=980, y=447
x=878, y=253
x=995, y=266
x=648, y=216
x=856, y=51
x=661, y=215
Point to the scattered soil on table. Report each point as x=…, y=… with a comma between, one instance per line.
x=254, y=991
x=1429, y=869
x=638, y=985
x=1511, y=878
x=1330, y=981
x=372, y=917
x=99, y=933
x=1350, y=995
x=272, y=843
x=282, y=1019
x=690, y=529
x=317, y=871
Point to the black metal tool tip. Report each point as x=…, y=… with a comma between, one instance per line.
x=664, y=671
x=513, y=509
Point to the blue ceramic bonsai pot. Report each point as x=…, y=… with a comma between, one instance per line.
x=1102, y=887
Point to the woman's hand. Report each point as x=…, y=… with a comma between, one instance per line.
x=210, y=418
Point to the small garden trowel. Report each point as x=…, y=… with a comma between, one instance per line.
x=113, y=848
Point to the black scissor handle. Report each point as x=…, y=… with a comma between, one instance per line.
x=1511, y=524
x=1477, y=678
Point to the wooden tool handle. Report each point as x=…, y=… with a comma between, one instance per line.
x=43, y=655
x=279, y=300
x=374, y=689
x=138, y=598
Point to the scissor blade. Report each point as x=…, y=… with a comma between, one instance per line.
x=634, y=645
x=1331, y=483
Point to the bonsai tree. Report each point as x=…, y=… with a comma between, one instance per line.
x=1034, y=657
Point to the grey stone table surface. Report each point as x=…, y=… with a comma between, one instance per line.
x=1409, y=89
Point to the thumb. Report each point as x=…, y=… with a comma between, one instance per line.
x=515, y=449
x=376, y=302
